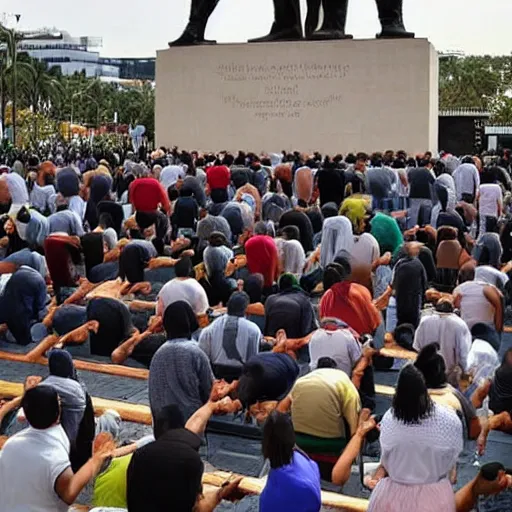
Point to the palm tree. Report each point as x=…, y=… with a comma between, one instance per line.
x=40, y=87
x=10, y=39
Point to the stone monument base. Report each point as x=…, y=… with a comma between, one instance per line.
x=330, y=96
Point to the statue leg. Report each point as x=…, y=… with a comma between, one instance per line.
x=287, y=24
x=313, y=16
x=200, y=12
x=391, y=19
x=335, y=18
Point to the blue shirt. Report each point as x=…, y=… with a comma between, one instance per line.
x=293, y=488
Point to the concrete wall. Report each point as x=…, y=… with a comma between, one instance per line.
x=332, y=96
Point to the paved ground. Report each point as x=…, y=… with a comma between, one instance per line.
x=243, y=454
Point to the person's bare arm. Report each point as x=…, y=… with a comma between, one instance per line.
x=285, y=404
x=494, y=296
x=457, y=299
x=9, y=406
x=69, y=485
x=342, y=469
x=197, y=422
x=466, y=498
x=382, y=302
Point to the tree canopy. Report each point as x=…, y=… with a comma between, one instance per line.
x=477, y=82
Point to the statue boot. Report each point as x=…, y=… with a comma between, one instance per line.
x=335, y=19
x=200, y=12
x=287, y=25
x=391, y=19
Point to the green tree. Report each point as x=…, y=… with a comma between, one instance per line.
x=479, y=82
x=10, y=38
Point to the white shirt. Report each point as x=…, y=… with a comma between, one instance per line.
x=421, y=453
x=339, y=345
x=490, y=197
x=43, y=198
x=30, y=463
x=452, y=334
x=491, y=275
x=467, y=180
x=365, y=250
x=78, y=205
x=474, y=307
x=482, y=361
x=188, y=290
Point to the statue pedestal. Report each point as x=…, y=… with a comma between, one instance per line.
x=330, y=96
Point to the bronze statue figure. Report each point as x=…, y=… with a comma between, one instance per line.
x=287, y=24
x=200, y=12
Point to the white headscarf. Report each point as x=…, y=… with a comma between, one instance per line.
x=17, y=189
x=171, y=174
x=293, y=257
x=337, y=234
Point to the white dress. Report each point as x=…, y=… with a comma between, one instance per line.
x=418, y=458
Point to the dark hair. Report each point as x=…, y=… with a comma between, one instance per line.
x=105, y=220
x=172, y=193
x=466, y=273
x=376, y=160
x=168, y=418
x=326, y=362
x=467, y=160
x=411, y=402
x=260, y=228
x=439, y=168
x=184, y=267
x=291, y=232
x=333, y=274
x=249, y=385
x=41, y=407
x=218, y=239
x=399, y=163
x=488, y=175
x=431, y=364
x=278, y=440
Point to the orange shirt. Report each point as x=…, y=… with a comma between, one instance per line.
x=352, y=303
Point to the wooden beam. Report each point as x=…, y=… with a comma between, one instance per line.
x=384, y=390
x=256, y=485
x=109, y=369
x=136, y=413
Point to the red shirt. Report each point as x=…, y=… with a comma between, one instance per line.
x=218, y=177
x=146, y=194
x=262, y=258
x=352, y=303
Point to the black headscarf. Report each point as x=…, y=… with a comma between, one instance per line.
x=316, y=218
x=500, y=394
x=166, y=474
x=253, y=286
x=180, y=321
x=219, y=195
x=115, y=325
x=329, y=210
x=301, y=220
x=132, y=262
x=145, y=219
x=92, y=247
x=60, y=364
x=115, y=211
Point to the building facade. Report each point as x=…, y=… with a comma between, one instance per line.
x=81, y=55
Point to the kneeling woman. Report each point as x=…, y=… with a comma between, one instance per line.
x=420, y=444
x=294, y=480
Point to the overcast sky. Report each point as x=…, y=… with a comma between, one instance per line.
x=138, y=28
